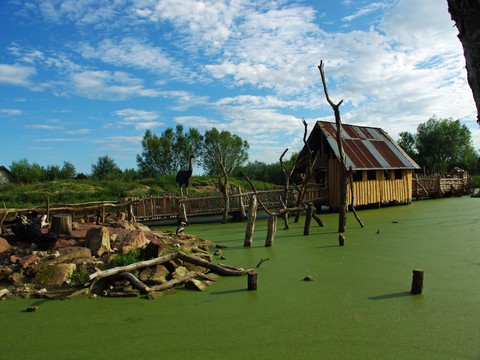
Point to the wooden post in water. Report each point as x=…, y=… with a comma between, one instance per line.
x=417, y=281
x=308, y=219
x=252, y=215
x=271, y=230
x=341, y=239
x=252, y=280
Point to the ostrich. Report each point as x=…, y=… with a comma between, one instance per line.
x=183, y=176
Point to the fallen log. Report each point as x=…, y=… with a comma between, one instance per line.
x=216, y=268
x=136, y=283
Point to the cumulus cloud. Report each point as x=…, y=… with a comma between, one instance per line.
x=108, y=85
x=140, y=119
x=18, y=75
x=11, y=112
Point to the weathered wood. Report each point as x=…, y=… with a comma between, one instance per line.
x=252, y=280
x=271, y=230
x=136, y=283
x=252, y=216
x=127, y=268
x=176, y=281
x=308, y=219
x=341, y=239
x=61, y=224
x=417, y=281
x=217, y=268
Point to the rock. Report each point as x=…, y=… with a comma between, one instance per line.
x=131, y=240
x=154, y=248
x=3, y=292
x=16, y=278
x=156, y=294
x=195, y=284
x=98, y=240
x=132, y=226
x=160, y=275
x=54, y=275
x=32, y=308
x=28, y=260
x=179, y=272
x=69, y=254
x=308, y=278
x=4, y=245
x=5, y=272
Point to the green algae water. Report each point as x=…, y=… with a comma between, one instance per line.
x=358, y=306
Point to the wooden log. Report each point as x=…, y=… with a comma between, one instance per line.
x=271, y=230
x=136, y=283
x=61, y=224
x=252, y=215
x=417, y=281
x=177, y=281
x=308, y=219
x=341, y=239
x=252, y=280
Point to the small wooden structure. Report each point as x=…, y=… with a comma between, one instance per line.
x=4, y=175
x=381, y=171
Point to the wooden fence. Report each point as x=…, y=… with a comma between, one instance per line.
x=157, y=208
x=438, y=187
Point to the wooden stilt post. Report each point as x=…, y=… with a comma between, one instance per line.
x=417, y=281
x=341, y=239
x=252, y=215
x=271, y=230
x=308, y=219
x=252, y=280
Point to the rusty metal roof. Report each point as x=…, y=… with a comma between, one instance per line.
x=367, y=148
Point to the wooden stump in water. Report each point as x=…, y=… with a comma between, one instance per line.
x=417, y=281
x=271, y=230
x=252, y=280
x=308, y=219
x=341, y=239
x=61, y=224
x=252, y=216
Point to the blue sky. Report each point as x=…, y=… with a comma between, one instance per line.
x=80, y=79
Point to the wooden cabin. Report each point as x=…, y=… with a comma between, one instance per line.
x=382, y=171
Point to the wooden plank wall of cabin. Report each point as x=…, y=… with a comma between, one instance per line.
x=333, y=180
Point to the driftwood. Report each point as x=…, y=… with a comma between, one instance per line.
x=216, y=268
x=252, y=215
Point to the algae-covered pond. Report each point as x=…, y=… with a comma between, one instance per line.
x=358, y=306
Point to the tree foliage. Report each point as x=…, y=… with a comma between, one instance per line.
x=105, y=169
x=165, y=154
x=221, y=149
x=440, y=144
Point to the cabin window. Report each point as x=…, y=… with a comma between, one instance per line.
x=398, y=174
x=372, y=175
x=387, y=174
x=358, y=175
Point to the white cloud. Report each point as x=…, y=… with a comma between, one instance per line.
x=130, y=52
x=140, y=119
x=11, y=112
x=43, y=127
x=18, y=75
x=108, y=85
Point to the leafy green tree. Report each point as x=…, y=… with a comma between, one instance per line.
x=24, y=172
x=165, y=154
x=223, y=152
x=52, y=172
x=105, y=169
x=68, y=171
x=441, y=144
x=407, y=143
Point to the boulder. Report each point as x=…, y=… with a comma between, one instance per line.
x=194, y=284
x=160, y=275
x=131, y=226
x=28, y=260
x=179, y=272
x=54, y=275
x=154, y=248
x=131, y=240
x=4, y=245
x=69, y=254
x=98, y=240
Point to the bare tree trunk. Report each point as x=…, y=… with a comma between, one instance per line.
x=466, y=14
x=342, y=218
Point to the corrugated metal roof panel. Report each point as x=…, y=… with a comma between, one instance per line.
x=367, y=147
